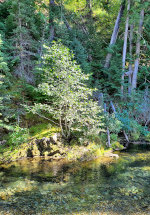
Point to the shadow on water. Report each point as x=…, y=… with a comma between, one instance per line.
x=37, y=186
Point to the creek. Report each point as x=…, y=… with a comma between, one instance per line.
x=104, y=186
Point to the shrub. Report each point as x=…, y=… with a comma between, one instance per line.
x=147, y=138
x=116, y=145
x=18, y=136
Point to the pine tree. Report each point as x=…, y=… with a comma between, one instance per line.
x=25, y=37
x=3, y=71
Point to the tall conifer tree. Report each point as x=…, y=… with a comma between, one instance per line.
x=25, y=36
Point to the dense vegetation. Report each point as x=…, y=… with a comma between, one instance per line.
x=82, y=66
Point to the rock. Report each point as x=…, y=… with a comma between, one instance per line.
x=55, y=137
x=110, y=154
x=29, y=153
x=35, y=151
x=48, y=147
x=3, y=142
x=46, y=153
x=51, y=148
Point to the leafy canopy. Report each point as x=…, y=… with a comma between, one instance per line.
x=67, y=97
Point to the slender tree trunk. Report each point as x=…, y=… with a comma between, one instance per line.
x=125, y=48
x=21, y=41
x=66, y=23
x=136, y=64
x=113, y=107
x=89, y=4
x=114, y=35
x=51, y=20
x=40, y=51
x=131, y=57
x=100, y=100
x=108, y=132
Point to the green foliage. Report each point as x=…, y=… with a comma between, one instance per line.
x=24, y=27
x=147, y=138
x=114, y=137
x=4, y=118
x=135, y=135
x=18, y=136
x=66, y=94
x=63, y=94
x=134, y=113
x=41, y=130
x=103, y=138
x=116, y=145
x=4, y=112
x=114, y=124
x=3, y=64
x=95, y=138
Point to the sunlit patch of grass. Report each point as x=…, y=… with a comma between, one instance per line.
x=43, y=130
x=97, y=149
x=90, y=152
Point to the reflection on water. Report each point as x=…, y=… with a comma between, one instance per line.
x=103, y=186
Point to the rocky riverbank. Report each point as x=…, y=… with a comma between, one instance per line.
x=54, y=148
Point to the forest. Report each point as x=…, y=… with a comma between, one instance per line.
x=74, y=85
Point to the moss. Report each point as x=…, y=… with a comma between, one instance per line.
x=35, y=151
x=43, y=130
x=39, y=134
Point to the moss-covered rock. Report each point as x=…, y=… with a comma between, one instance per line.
x=48, y=147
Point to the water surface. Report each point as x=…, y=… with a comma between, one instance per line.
x=102, y=186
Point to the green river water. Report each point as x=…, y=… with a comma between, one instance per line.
x=104, y=186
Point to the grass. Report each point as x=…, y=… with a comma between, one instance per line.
x=43, y=130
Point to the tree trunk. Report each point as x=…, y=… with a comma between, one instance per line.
x=136, y=64
x=113, y=107
x=100, y=100
x=131, y=57
x=125, y=48
x=51, y=20
x=108, y=133
x=89, y=6
x=21, y=47
x=66, y=23
x=114, y=35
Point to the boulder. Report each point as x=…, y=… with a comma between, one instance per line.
x=48, y=147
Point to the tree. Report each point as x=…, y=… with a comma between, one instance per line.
x=136, y=63
x=26, y=30
x=114, y=35
x=66, y=93
x=3, y=72
x=51, y=20
x=125, y=47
